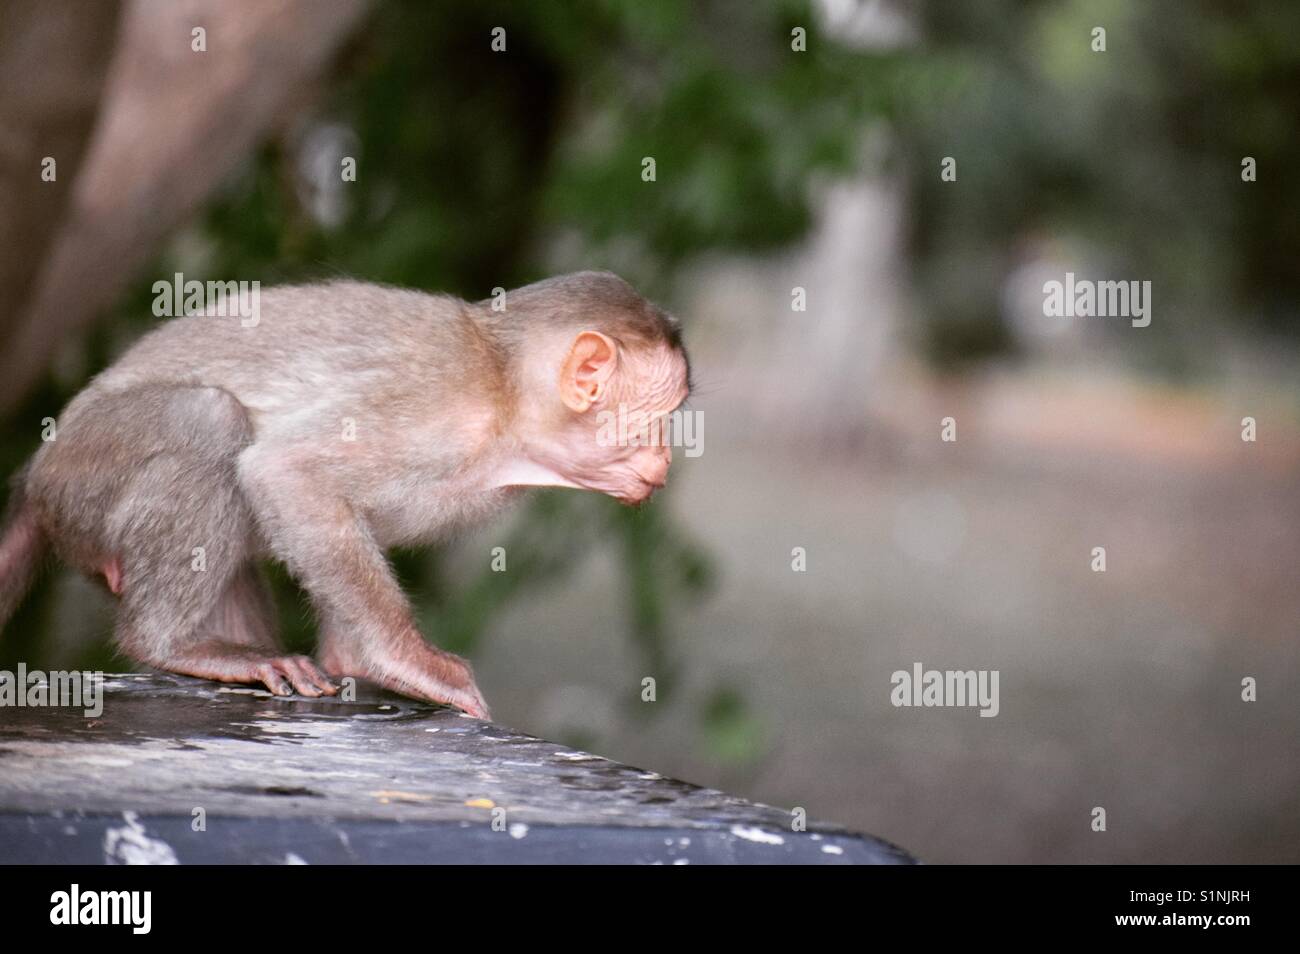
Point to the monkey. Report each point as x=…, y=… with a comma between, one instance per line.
x=350, y=418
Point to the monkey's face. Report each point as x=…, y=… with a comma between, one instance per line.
x=617, y=435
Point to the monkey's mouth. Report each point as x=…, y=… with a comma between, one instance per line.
x=640, y=495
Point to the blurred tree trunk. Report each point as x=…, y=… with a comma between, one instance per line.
x=173, y=124
x=53, y=61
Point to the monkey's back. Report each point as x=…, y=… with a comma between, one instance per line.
x=344, y=339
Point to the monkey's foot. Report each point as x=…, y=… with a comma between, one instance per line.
x=277, y=673
x=283, y=675
x=421, y=671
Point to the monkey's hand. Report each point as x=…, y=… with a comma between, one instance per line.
x=367, y=629
x=413, y=668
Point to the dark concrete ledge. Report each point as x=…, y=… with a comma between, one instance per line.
x=378, y=780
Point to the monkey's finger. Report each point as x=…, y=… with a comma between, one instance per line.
x=320, y=677
x=273, y=680
x=311, y=671
x=325, y=684
x=302, y=673
x=472, y=705
x=459, y=699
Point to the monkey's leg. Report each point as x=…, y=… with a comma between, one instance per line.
x=366, y=624
x=238, y=644
x=179, y=536
x=235, y=643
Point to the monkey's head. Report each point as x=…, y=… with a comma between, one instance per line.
x=606, y=370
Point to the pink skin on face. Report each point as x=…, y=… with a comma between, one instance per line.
x=582, y=455
x=653, y=387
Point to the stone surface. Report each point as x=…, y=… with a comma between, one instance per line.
x=377, y=780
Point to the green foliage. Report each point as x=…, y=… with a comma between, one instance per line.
x=732, y=733
x=1133, y=154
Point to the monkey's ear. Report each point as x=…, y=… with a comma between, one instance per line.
x=587, y=370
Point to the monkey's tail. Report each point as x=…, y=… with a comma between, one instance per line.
x=22, y=546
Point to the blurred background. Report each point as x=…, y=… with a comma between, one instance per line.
x=777, y=169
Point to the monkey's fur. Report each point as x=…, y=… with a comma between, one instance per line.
x=350, y=418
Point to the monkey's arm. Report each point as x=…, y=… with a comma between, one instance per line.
x=366, y=625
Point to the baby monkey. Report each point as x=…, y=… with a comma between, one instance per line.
x=348, y=419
